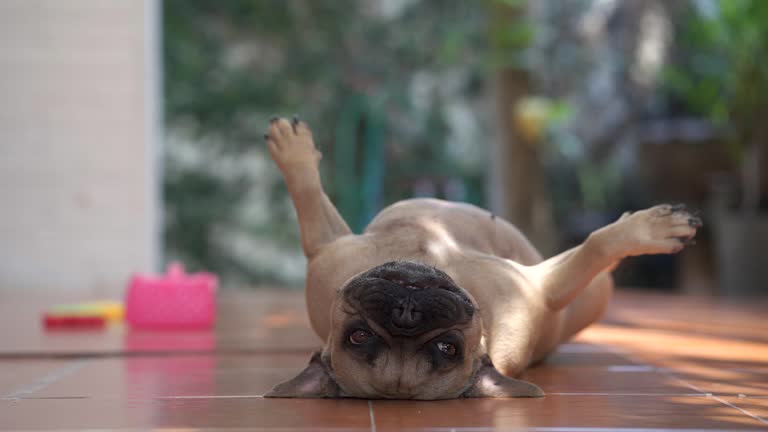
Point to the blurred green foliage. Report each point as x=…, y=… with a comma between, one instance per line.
x=231, y=65
x=721, y=70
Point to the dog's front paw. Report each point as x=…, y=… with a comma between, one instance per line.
x=291, y=145
x=662, y=229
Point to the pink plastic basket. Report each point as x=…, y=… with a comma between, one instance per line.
x=171, y=301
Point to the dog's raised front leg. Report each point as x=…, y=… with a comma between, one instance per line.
x=662, y=229
x=293, y=149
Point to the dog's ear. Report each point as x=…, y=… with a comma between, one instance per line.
x=315, y=381
x=490, y=383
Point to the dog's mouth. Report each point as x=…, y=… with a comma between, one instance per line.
x=380, y=394
x=409, y=298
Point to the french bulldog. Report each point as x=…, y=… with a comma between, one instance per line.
x=441, y=300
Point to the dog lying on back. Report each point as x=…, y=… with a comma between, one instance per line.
x=440, y=300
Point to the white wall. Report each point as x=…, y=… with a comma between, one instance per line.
x=79, y=135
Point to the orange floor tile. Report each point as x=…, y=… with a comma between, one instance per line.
x=655, y=363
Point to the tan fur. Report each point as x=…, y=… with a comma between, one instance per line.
x=527, y=306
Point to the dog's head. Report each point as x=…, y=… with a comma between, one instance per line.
x=403, y=330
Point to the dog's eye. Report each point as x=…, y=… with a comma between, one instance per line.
x=447, y=348
x=359, y=337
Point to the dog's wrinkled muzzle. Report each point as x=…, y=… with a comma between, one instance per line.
x=408, y=298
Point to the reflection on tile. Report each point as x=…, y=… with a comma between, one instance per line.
x=728, y=319
x=15, y=375
x=724, y=377
x=582, y=354
x=563, y=411
x=754, y=406
x=248, y=321
x=146, y=341
x=732, y=382
x=604, y=379
x=251, y=413
x=162, y=376
x=659, y=343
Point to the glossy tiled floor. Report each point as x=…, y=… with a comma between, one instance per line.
x=654, y=363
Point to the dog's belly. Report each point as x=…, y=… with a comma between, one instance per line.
x=456, y=238
x=466, y=226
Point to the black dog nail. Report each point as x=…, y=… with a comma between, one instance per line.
x=266, y=136
x=295, y=122
x=686, y=241
x=695, y=222
x=273, y=119
x=678, y=208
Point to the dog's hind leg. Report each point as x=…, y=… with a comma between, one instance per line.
x=293, y=150
x=659, y=230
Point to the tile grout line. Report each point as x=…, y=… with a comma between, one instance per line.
x=45, y=381
x=747, y=412
x=670, y=374
x=373, y=418
x=667, y=372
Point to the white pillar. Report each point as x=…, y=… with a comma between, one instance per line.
x=79, y=144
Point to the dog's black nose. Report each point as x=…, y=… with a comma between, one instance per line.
x=406, y=316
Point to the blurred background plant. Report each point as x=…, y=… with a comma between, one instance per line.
x=558, y=115
x=392, y=90
x=721, y=72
